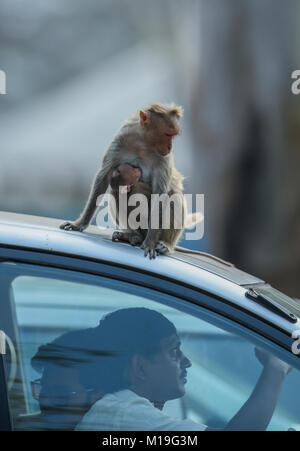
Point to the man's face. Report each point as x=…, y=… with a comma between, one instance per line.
x=166, y=373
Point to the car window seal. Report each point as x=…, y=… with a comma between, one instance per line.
x=261, y=298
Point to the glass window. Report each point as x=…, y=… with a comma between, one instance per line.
x=66, y=371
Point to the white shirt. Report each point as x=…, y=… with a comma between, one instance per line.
x=126, y=411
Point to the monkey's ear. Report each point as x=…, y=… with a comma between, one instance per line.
x=144, y=118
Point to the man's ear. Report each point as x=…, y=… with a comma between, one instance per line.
x=144, y=118
x=138, y=367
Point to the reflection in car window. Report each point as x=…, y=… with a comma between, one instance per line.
x=58, y=311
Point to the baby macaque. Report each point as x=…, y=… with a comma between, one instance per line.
x=125, y=181
x=144, y=141
x=127, y=177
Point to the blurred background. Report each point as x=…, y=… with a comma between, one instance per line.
x=76, y=69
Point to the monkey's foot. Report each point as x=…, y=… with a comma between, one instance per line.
x=149, y=249
x=72, y=226
x=121, y=236
x=135, y=240
x=117, y=236
x=161, y=248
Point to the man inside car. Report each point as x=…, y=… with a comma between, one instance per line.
x=128, y=367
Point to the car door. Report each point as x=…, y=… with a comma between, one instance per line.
x=45, y=296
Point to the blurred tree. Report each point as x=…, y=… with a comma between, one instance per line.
x=246, y=127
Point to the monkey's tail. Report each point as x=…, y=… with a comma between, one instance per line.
x=192, y=219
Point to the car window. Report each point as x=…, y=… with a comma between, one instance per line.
x=48, y=303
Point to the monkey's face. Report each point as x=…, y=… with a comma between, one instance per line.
x=129, y=174
x=166, y=141
x=165, y=128
x=160, y=129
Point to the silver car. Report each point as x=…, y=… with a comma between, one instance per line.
x=53, y=282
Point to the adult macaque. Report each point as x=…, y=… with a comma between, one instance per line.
x=144, y=141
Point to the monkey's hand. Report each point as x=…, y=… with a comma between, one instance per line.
x=72, y=226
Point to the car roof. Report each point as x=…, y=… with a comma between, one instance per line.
x=201, y=271
x=44, y=233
